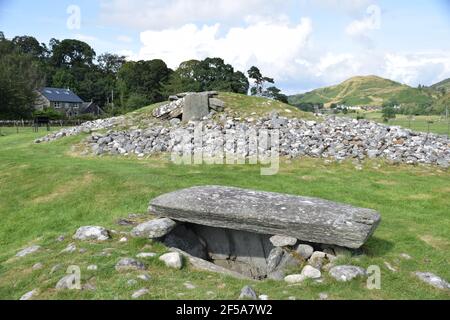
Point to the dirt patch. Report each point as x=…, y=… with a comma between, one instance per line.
x=435, y=242
x=65, y=189
x=420, y=196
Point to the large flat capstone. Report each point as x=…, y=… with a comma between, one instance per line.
x=305, y=218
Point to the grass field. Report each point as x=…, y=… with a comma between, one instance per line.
x=46, y=190
x=438, y=124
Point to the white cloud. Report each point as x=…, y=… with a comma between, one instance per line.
x=271, y=45
x=163, y=14
x=362, y=27
x=125, y=39
x=85, y=38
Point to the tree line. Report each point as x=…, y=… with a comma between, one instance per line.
x=115, y=84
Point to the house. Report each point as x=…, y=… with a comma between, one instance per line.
x=91, y=108
x=65, y=101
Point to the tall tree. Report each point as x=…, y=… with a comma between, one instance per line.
x=259, y=80
x=72, y=53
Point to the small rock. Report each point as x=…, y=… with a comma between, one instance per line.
x=189, y=286
x=125, y=222
x=124, y=239
x=140, y=293
x=292, y=298
x=318, y=259
x=82, y=250
x=172, y=260
x=311, y=273
x=154, y=229
x=129, y=264
x=92, y=267
x=405, y=256
x=89, y=287
x=144, y=277
x=391, y=268
x=433, y=280
x=56, y=268
x=323, y=296
x=248, y=293
x=91, y=233
x=346, y=273
x=29, y=295
x=283, y=241
x=61, y=238
x=38, y=266
x=294, y=278
x=28, y=251
x=146, y=255
x=70, y=248
x=263, y=297
x=305, y=251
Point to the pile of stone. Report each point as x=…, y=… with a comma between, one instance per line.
x=86, y=127
x=335, y=138
x=257, y=234
x=192, y=106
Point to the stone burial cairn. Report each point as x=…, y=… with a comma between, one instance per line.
x=191, y=106
x=259, y=235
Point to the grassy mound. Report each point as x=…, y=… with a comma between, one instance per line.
x=45, y=191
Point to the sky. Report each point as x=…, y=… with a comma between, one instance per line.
x=303, y=44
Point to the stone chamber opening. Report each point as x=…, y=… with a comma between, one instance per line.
x=250, y=254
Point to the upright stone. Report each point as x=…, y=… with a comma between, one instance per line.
x=196, y=106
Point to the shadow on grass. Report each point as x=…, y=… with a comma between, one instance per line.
x=377, y=247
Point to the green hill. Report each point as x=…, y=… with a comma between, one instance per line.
x=445, y=84
x=366, y=90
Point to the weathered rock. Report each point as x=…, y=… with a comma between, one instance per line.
x=129, y=264
x=70, y=248
x=189, y=286
x=433, y=280
x=146, y=255
x=172, y=260
x=37, y=266
x=204, y=265
x=216, y=104
x=263, y=297
x=140, y=293
x=283, y=241
x=144, y=277
x=29, y=295
x=92, y=233
x=241, y=209
x=92, y=267
x=346, y=273
x=56, y=268
x=311, y=273
x=247, y=293
x=27, y=251
x=294, y=278
x=274, y=259
x=154, y=229
x=196, y=106
x=318, y=259
x=305, y=251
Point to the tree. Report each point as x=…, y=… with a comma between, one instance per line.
x=71, y=53
x=146, y=78
x=110, y=63
x=255, y=74
x=388, y=112
x=275, y=93
x=29, y=45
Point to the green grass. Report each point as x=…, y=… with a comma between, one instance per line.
x=438, y=124
x=46, y=190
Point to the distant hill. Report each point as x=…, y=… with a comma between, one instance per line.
x=366, y=90
x=442, y=84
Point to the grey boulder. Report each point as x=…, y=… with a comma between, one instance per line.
x=154, y=229
x=433, y=280
x=283, y=241
x=247, y=293
x=27, y=251
x=92, y=233
x=129, y=264
x=346, y=273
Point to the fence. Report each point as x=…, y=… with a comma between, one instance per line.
x=17, y=126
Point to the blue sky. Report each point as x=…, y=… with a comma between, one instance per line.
x=303, y=44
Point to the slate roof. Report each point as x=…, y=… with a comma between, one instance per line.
x=60, y=95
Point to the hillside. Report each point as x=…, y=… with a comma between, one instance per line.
x=442, y=84
x=365, y=90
